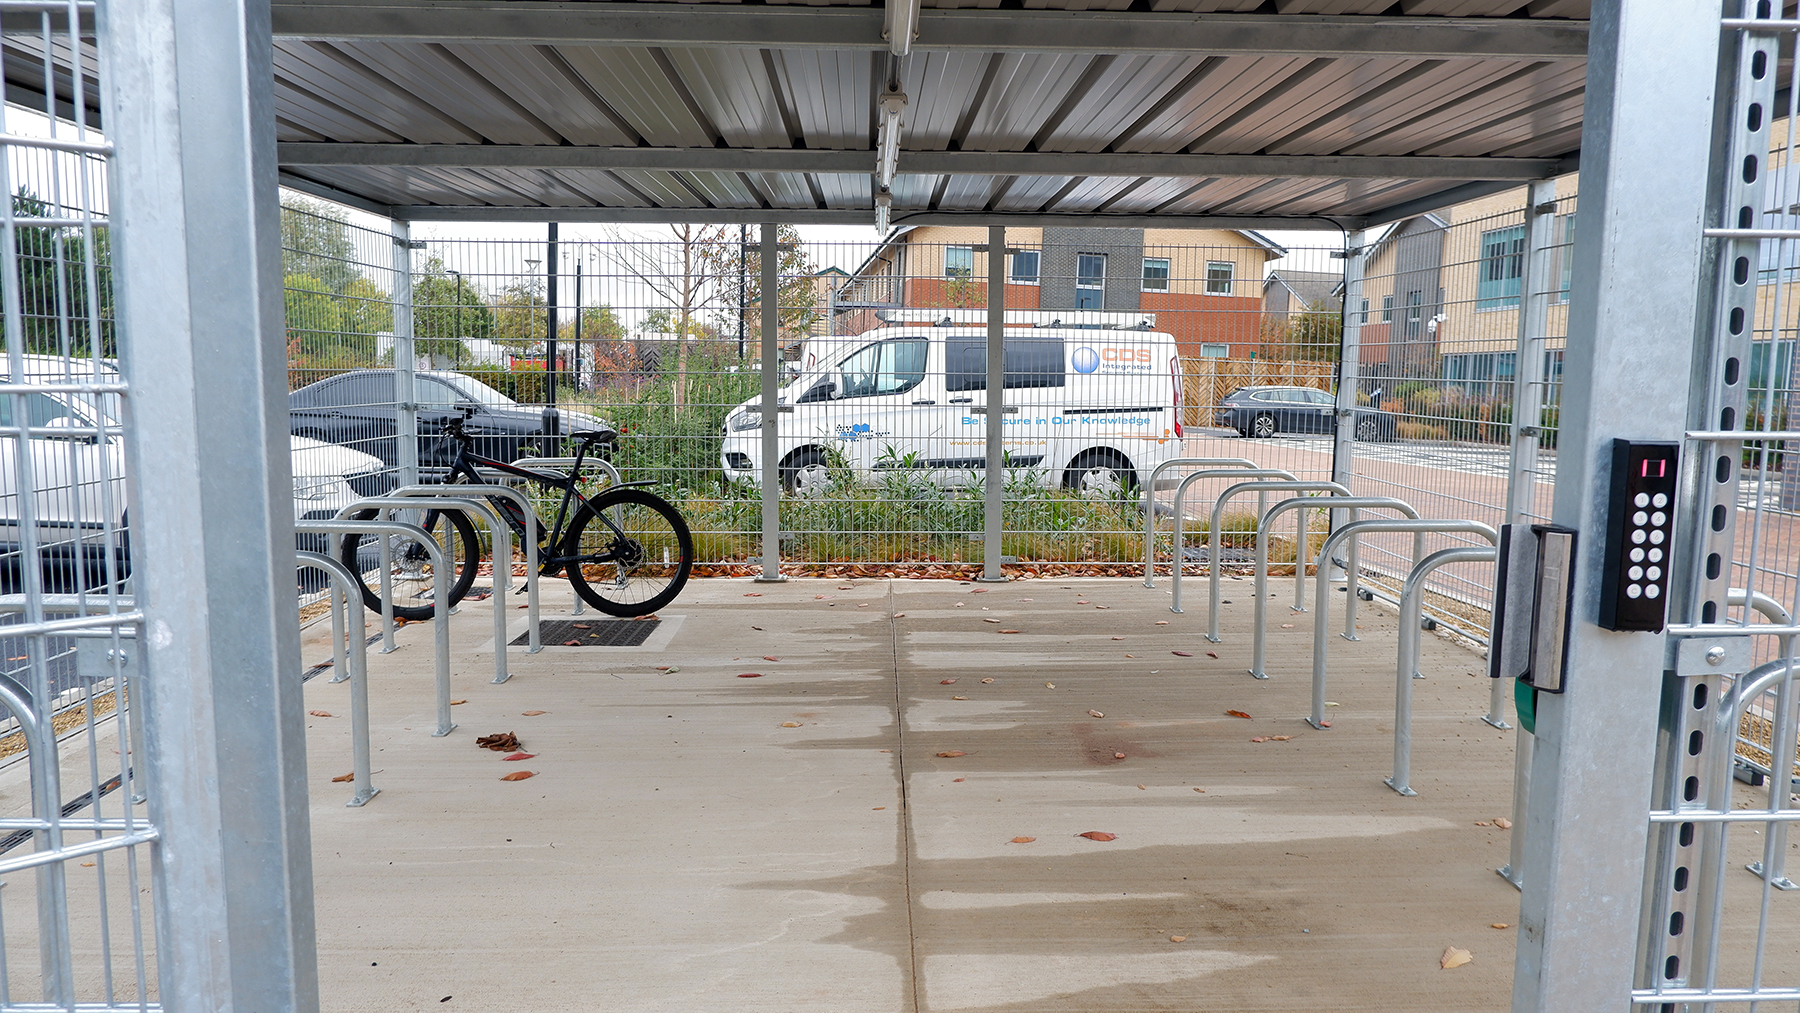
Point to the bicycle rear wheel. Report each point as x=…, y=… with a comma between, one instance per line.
x=635, y=552
x=410, y=576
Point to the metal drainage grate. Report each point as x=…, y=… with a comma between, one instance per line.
x=592, y=632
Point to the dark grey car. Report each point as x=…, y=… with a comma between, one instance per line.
x=356, y=409
x=1270, y=411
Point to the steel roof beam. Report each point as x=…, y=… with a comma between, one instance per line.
x=918, y=163
x=858, y=216
x=601, y=23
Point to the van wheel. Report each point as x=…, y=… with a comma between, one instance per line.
x=1100, y=473
x=1263, y=426
x=805, y=474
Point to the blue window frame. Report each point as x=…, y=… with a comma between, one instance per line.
x=1502, y=266
x=1025, y=267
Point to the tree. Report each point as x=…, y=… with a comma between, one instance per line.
x=521, y=316
x=315, y=242
x=446, y=312
x=796, y=299
x=1312, y=335
x=687, y=275
x=56, y=302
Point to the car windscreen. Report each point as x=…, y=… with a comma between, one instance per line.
x=479, y=392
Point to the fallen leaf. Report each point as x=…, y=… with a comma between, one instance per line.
x=957, y=605
x=320, y=714
x=770, y=657
x=1483, y=823
x=1454, y=957
x=1201, y=790
x=750, y=675
x=1103, y=606
x=959, y=698
x=979, y=590
x=948, y=753
x=753, y=594
x=1260, y=738
x=1162, y=622
x=986, y=681
x=1131, y=655
x=1499, y=925
x=343, y=777
x=1324, y=724
x=790, y=724
x=1143, y=787
x=879, y=808
x=1237, y=714
x=1177, y=939
x=1021, y=840
x=500, y=742
x=1287, y=626
x=946, y=682
x=532, y=714
x=519, y=775
x=662, y=668
x=571, y=643
x=1333, y=703
x=822, y=597
x=87, y=865
x=672, y=669
x=864, y=605
x=1084, y=603
x=959, y=780
x=990, y=620
x=1118, y=638
x=1118, y=756
x=757, y=628
x=453, y=703
x=1503, y=823
x=1281, y=738
x=1049, y=685
x=899, y=615
x=1181, y=654
x=1099, y=835
x=1212, y=654
x=1095, y=714
x=1009, y=631
x=516, y=757
x=846, y=587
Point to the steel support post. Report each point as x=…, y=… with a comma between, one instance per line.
x=995, y=475
x=1647, y=139
x=771, y=412
x=196, y=238
x=406, y=402
x=1343, y=448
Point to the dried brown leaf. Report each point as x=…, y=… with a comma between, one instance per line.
x=1212, y=654
x=453, y=703
x=947, y=682
x=984, y=682
x=753, y=594
x=1143, y=787
x=948, y=753
x=1237, y=714
x=749, y=675
x=790, y=724
x=1049, y=685
x=320, y=714
x=959, y=698
x=990, y=620
x=571, y=643
x=770, y=657
x=1503, y=823
x=1118, y=756
x=519, y=775
x=1021, y=840
x=1181, y=654
x=1499, y=925
x=1095, y=714
x=1454, y=957
x=1099, y=835
x=343, y=777
x=1162, y=622
x=532, y=714
x=1009, y=631
x=514, y=758
x=1177, y=939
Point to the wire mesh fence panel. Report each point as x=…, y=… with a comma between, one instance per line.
x=76, y=923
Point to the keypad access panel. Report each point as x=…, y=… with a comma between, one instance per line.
x=1639, y=536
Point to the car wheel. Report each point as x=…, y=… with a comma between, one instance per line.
x=1101, y=474
x=1263, y=426
x=1368, y=430
x=805, y=474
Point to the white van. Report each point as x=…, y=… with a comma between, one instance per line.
x=1096, y=410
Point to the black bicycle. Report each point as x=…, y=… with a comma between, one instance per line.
x=626, y=551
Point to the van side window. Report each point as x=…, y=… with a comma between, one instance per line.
x=890, y=367
x=1027, y=362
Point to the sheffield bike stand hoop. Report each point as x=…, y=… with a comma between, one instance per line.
x=565, y=464
x=1181, y=495
x=363, y=791
x=1150, y=501
x=532, y=530
x=1412, y=596
x=1218, y=518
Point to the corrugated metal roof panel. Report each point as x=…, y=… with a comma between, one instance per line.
x=1214, y=91
x=633, y=82
x=1026, y=90
x=734, y=91
x=533, y=77
x=361, y=96
x=833, y=95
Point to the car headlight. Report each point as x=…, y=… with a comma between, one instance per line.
x=315, y=487
x=748, y=420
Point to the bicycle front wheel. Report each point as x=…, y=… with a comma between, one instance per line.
x=633, y=552
x=411, y=580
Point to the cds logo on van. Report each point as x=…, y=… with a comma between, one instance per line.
x=1110, y=360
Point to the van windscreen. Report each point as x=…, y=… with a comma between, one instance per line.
x=1027, y=362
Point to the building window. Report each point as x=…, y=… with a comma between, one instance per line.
x=1502, y=267
x=1218, y=276
x=1215, y=351
x=1365, y=312
x=1565, y=256
x=1090, y=281
x=959, y=261
x=1025, y=267
x=1415, y=313
x=1156, y=274
x=1387, y=309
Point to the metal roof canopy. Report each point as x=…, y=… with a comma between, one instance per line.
x=1320, y=113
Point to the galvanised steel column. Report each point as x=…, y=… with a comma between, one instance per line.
x=1343, y=448
x=771, y=414
x=1528, y=369
x=406, y=401
x=196, y=237
x=1647, y=138
x=995, y=476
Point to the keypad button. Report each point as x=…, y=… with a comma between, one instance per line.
x=1637, y=572
x=1651, y=591
x=1638, y=536
x=1637, y=555
x=1659, y=518
x=1656, y=537
x=1659, y=500
x=1643, y=499
x=1633, y=591
x=1655, y=573
x=1640, y=518
x=1655, y=555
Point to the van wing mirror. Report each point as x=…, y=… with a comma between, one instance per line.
x=824, y=390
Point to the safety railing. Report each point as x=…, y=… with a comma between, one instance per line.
x=1262, y=489
x=1412, y=597
x=1338, y=537
x=533, y=532
x=1155, y=483
x=341, y=577
x=1214, y=543
x=1259, y=628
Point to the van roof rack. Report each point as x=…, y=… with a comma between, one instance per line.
x=1093, y=320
